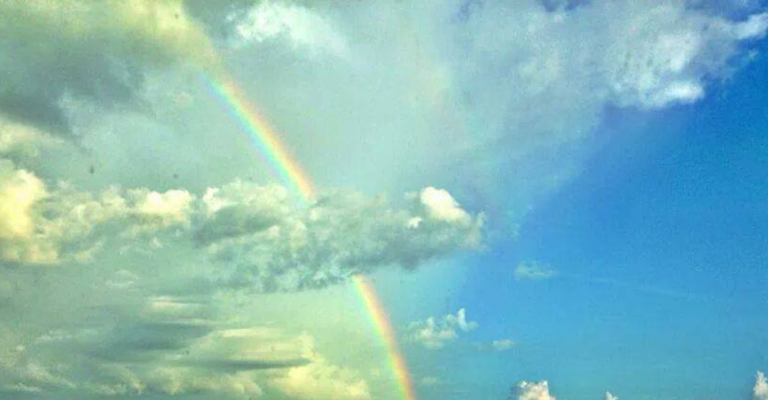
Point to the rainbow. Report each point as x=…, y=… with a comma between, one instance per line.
x=266, y=139
x=262, y=136
x=380, y=320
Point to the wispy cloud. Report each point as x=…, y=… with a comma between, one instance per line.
x=533, y=270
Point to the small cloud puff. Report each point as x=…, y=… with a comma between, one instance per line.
x=503, y=344
x=435, y=334
x=540, y=390
x=534, y=391
x=533, y=270
x=760, y=391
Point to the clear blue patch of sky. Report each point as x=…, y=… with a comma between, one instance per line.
x=661, y=245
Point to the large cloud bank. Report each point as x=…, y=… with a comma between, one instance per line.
x=271, y=242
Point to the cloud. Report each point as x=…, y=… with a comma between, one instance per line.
x=760, y=391
x=172, y=353
x=540, y=390
x=42, y=225
x=20, y=387
x=503, y=344
x=532, y=270
x=455, y=92
x=267, y=243
x=339, y=236
x=435, y=333
x=320, y=380
x=302, y=27
x=482, y=87
x=20, y=140
x=20, y=190
x=534, y=391
x=440, y=205
x=94, y=52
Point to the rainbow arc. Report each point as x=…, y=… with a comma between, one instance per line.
x=266, y=139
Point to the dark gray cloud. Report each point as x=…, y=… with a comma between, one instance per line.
x=53, y=53
x=131, y=342
x=246, y=365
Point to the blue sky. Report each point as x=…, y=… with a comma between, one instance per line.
x=554, y=199
x=660, y=250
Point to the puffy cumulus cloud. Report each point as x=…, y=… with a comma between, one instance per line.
x=302, y=27
x=321, y=380
x=532, y=270
x=122, y=381
x=156, y=209
x=86, y=50
x=265, y=242
x=440, y=205
x=240, y=208
x=42, y=225
x=434, y=333
x=760, y=390
x=20, y=140
x=540, y=390
x=20, y=190
x=338, y=236
x=534, y=391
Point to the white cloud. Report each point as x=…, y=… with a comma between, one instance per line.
x=265, y=242
x=435, y=333
x=503, y=344
x=20, y=190
x=304, y=28
x=21, y=140
x=21, y=387
x=42, y=225
x=322, y=381
x=534, y=391
x=532, y=270
x=609, y=396
x=440, y=205
x=753, y=28
x=760, y=391
x=164, y=209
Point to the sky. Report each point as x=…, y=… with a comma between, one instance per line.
x=435, y=200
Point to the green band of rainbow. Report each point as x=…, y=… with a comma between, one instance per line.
x=261, y=135
x=380, y=320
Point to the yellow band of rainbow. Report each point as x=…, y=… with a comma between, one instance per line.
x=380, y=320
x=261, y=135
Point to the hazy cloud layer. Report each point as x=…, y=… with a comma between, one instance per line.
x=165, y=349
